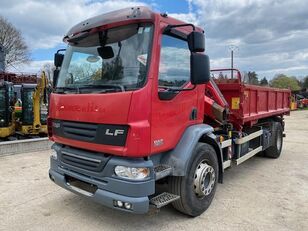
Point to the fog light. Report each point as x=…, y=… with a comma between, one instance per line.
x=132, y=173
x=127, y=205
x=119, y=203
x=54, y=154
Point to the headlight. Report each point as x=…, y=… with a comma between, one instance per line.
x=54, y=154
x=132, y=173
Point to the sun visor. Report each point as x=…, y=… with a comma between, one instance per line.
x=139, y=13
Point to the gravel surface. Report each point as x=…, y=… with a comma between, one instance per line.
x=261, y=194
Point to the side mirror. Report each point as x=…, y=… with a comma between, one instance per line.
x=58, y=59
x=196, y=41
x=199, y=68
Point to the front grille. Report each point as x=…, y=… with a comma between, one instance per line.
x=107, y=134
x=83, y=131
x=91, y=161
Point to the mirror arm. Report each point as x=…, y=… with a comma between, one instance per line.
x=102, y=36
x=60, y=50
x=169, y=27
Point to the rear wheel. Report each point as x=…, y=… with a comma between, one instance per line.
x=277, y=139
x=197, y=188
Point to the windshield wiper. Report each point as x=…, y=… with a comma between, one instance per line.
x=63, y=89
x=106, y=87
x=102, y=88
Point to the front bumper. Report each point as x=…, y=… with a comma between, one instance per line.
x=109, y=188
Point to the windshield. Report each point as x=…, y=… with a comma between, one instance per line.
x=112, y=60
x=27, y=106
x=2, y=108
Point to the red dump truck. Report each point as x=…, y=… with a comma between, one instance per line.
x=138, y=119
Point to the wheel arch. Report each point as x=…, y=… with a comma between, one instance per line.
x=273, y=119
x=180, y=157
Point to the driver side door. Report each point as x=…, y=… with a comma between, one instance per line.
x=172, y=111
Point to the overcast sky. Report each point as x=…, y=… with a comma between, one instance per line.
x=271, y=35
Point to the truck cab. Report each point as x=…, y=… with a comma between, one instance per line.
x=127, y=114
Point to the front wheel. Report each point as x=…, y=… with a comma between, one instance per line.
x=197, y=188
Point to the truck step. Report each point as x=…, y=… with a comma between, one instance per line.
x=162, y=171
x=163, y=199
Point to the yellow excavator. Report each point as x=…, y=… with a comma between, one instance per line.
x=7, y=123
x=34, y=108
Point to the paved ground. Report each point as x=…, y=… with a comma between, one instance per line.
x=261, y=194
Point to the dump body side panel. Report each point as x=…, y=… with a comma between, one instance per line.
x=249, y=103
x=260, y=102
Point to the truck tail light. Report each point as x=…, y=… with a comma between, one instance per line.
x=49, y=128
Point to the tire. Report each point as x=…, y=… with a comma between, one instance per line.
x=193, y=201
x=277, y=139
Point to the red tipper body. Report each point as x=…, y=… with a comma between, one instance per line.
x=250, y=103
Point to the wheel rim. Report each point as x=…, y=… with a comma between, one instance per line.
x=204, y=179
x=279, y=141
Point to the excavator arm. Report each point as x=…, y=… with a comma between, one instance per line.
x=32, y=98
x=38, y=94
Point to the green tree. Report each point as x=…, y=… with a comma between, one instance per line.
x=264, y=82
x=305, y=82
x=283, y=81
x=253, y=78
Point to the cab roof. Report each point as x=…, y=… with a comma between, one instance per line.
x=131, y=13
x=140, y=13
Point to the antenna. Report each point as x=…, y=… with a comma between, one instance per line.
x=232, y=48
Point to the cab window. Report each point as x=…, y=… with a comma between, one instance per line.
x=174, y=66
